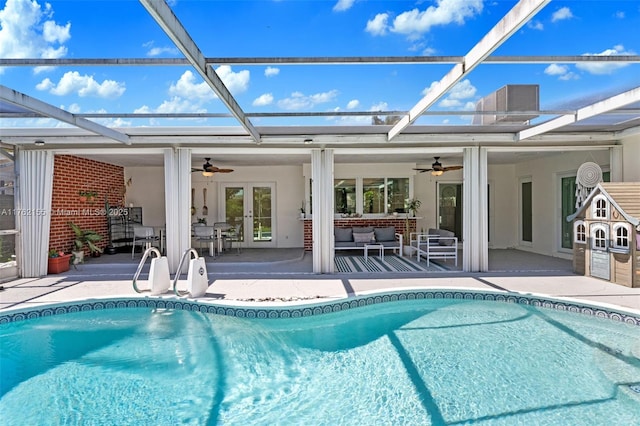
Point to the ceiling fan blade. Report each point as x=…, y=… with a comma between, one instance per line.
x=423, y=170
x=224, y=170
x=446, y=169
x=193, y=170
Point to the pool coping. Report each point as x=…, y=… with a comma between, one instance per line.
x=318, y=306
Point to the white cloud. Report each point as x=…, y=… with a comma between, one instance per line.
x=174, y=105
x=353, y=104
x=186, y=87
x=343, y=5
x=271, y=71
x=27, y=31
x=561, y=14
x=378, y=25
x=380, y=106
x=604, y=67
x=190, y=93
x=535, y=25
x=157, y=51
x=415, y=22
x=555, y=69
x=262, y=100
x=83, y=86
x=299, y=101
x=456, y=95
x=236, y=82
x=462, y=90
x=619, y=15
x=562, y=71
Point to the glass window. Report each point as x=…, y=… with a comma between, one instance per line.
x=599, y=237
x=526, y=195
x=345, y=195
x=580, y=232
x=621, y=239
x=397, y=194
x=373, y=195
x=600, y=207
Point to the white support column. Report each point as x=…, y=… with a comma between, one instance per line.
x=475, y=246
x=34, y=170
x=322, y=226
x=316, y=230
x=616, y=163
x=328, y=252
x=483, y=212
x=177, y=184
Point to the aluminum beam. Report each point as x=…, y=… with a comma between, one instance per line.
x=20, y=99
x=317, y=60
x=601, y=107
x=170, y=24
x=509, y=24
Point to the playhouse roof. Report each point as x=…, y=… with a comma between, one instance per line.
x=625, y=196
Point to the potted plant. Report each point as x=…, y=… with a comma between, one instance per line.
x=412, y=207
x=302, y=209
x=87, y=196
x=58, y=261
x=84, y=237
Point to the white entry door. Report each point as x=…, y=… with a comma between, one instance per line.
x=252, y=206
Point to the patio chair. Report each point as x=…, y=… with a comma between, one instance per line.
x=143, y=236
x=223, y=229
x=206, y=235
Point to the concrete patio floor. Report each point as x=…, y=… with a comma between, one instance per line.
x=286, y=278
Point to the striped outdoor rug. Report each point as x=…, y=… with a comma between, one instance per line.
x=391, y=263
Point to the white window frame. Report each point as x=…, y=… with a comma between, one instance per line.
x=576, y=232
x=619, y=227
x=594, y=229
x=595, y=210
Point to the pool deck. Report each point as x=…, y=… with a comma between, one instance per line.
x=275, y=290
x=284, y=277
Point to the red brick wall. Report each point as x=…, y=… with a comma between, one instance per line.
x=399, y=223
x=71, y=175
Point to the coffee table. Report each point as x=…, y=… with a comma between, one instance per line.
x=379, y=247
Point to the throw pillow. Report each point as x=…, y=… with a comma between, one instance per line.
x=385, y=234
x=363, y=237
x=446, y=241
x=343, y=235
x=362, y=229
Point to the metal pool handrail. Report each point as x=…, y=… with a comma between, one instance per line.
x=141, y=265
x=175, y=279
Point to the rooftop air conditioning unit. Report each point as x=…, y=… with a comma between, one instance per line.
x=510, y=98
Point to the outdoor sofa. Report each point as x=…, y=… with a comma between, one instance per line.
x=355, y=238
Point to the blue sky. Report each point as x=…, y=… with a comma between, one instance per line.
x=273, y=28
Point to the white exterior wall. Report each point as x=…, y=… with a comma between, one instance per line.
x=503, y=206
x=631, y=159
x=147, y=190
x=545, y=173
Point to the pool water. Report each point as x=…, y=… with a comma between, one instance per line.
x=412, y=363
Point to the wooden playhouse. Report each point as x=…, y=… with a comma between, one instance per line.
x=606, y=234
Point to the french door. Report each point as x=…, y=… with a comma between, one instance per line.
x=252, y=206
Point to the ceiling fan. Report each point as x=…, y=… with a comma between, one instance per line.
x=437, y=169
x=209, y=169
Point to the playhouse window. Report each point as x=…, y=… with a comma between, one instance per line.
x=621, y=236
x=580, y=232
x=600, y=206
x=599, y=234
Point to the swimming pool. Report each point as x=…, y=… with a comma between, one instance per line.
x=409, y=358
